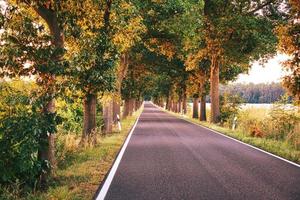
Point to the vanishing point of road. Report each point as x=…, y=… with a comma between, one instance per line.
x=170, y=158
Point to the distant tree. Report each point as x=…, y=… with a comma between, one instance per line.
x=255, y=93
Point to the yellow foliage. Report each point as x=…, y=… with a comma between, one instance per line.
x=128, y=35
x=165, y=48
x=106, y=98
x=295, y=4
x=286, y=42
x=193, y=59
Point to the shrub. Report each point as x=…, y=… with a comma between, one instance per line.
x=229, y=106
x=71, y=112
x=21, y=127
x=284, y=122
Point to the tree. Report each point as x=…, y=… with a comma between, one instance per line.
x=98, y=67
x=227, y=42
x=128, y=34
x=34, y=47
x=289, y=44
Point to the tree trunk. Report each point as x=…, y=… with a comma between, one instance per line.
x=47, y=143
x=179, y=105
x=129, y=107
x=162, y=103
x=46, y=151
x=132, y=106
x=116, y=110
x=172, y=105
x=167, y=103
x=196, y=107
x=108, y=117
x=214, y=91
x=89, y=119
x=126, y=108
x=202, y=108
x=184, y=104
x=137, y=104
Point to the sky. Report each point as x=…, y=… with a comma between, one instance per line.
x=270, y=72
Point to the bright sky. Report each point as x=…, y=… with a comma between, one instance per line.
x=270, y=72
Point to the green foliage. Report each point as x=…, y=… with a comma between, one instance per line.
x=26, y=42
x=94, y=67
x=70, y=110
x=284, y=122
x=230, y=106
x=21, y=131
x=281, y=122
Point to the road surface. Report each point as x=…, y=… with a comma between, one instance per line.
x=169, y=158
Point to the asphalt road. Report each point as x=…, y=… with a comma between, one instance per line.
x=169, y=158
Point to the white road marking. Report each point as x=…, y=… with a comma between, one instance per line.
x=283, y=159
x=106, y=185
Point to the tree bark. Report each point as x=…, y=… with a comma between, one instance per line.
x=47, y=145
x=214, y=91
x=167, y=103
x=108, y=117
x=195, y=107
x=137, y=104
x=184, y=104
x=126, y=108
x=132, y=106
x=116, y=110
x=179, y=105
x=46, y=151
x=172, y=105
x=129, y=107
x=89, y=118
x=202, y=108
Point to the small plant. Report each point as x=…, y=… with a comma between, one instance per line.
x=285, y=121
x=230, y=106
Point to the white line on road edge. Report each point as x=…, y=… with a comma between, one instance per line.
x=115, y=166
x=249, y=145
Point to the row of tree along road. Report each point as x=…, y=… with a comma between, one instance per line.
x=121, y=52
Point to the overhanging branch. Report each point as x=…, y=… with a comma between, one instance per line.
x=261, y=6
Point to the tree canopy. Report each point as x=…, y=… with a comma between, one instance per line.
x=100, y=54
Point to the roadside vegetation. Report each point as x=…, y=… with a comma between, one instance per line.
x=79, y=170
x=67, y=67
x=275, y=129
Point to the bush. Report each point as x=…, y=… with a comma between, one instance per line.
x=21, y=127
x=19, y=145
x=72, y=113
x=284, y=122
x=229, y=107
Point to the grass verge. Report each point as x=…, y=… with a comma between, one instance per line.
x=277, y=147
x=84, y=169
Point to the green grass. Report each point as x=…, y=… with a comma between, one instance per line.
x=277, y=147
x=83, y=169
